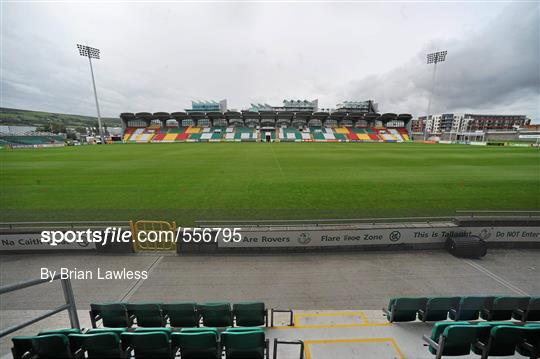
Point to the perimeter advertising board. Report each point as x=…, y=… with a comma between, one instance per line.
x=321, y=237
x=32, y=242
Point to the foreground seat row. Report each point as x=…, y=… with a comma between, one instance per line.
x=463, y=308
x=484, y=338
x=156, y=343
x=179, y=315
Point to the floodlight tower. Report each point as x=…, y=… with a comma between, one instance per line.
x=433, y=58
x=93, y=53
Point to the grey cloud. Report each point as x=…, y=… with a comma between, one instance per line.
x=494, y=70
x=158, y=57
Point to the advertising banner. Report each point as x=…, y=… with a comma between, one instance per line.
x=32, y=242
x=257, y=238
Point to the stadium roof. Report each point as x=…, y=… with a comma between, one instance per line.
x=233, y=114
x=197, y=115
x=162, y=115
x=179, y=115
x=404, y=116
x=215, y=115
x=388, y=116
x=355, y=116
x=371, y=116
x=251, y=114
x=127, y=116
x=144, y=115
x=320, y=115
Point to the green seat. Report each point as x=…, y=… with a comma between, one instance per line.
x=404, y=309
x=67, y=331
x=155, y=345
x=250, y=314
x=147, y=314
x=438, y=330
x=202, y=345
x=117, y=331
x=502, y=341
x=455, y=340
x=244, y=344
x=468, y=308
x=21, y=346
x=199, y=330
x=501, y=308
x=165, y=330
x=244, y=329
x=530, y=347
x=113, y=315
x=98, y=346
x=529, y=312
x=181, y=314
x=437, y=308
x=53, y=346
x=216, y=314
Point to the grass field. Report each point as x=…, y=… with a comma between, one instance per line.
x=191, y=181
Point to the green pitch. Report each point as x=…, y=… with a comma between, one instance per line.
x=191, y=181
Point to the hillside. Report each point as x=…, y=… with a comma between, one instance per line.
x=11, y=117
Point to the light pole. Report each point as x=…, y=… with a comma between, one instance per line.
x=433, y=58
x=93, y=53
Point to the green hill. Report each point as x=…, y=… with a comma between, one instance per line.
x=13, y=117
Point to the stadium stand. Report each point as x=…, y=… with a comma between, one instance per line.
x=262, y=126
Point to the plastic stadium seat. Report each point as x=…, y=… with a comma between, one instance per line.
x=147, y=314
x=438, y=329
x=165, y=330
x=200, y=345
x=113, y=315
x=182, y=137
x=21, y=346
x=51, y=346
x=502, y=341
x=530, y=312
x=501, y=308
x=404, y=309
x=468, y=308
x=455, y=340
x=154, y=345
x=159, y=137
x=98, y=346
x=181, y=314
x=437, y=308
x=199, y=330
x=245, y=344
x=216, y=314
x=116, y=331
x=530, y=347
x=67, y=331
x=250, y=314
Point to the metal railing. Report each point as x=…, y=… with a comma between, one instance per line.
x=68, y=296
x=291, y=316
x=323, y=222
x=288, y=342
x=483, y=213
x=9, y=226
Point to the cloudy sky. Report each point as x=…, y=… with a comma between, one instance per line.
x=160, y=56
